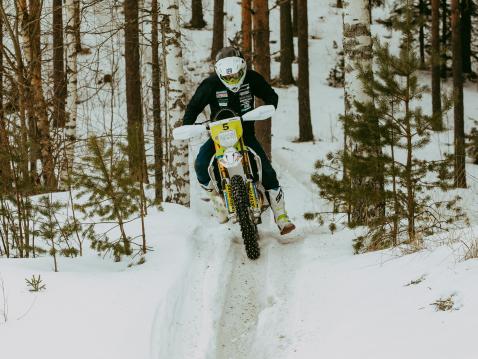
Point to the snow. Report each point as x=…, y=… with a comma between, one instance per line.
x=197, y=296
x=93, y=307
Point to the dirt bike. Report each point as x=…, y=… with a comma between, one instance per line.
x=232, y=171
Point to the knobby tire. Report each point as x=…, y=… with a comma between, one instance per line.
x=248, y=227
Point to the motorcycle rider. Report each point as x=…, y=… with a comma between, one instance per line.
x=234, y=87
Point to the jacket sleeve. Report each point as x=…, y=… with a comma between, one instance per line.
x=197, y=103
x=263, y=90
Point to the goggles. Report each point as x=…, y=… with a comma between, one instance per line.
x=233, y=79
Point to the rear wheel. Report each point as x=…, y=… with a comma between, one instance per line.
x=248, y=227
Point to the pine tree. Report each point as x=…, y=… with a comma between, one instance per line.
x=55, y=234
x=336, y=74
x=357, y=44
x=391, y=119
x=422, y=19
x=107, y=191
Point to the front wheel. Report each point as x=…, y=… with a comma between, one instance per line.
x=248, y=227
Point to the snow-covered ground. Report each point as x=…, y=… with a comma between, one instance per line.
x=199, y=297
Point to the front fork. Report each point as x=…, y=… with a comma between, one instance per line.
x=255, y=203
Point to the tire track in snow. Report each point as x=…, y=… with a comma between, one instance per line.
x=254, y=295
x=256, y=298
x=258, y=292
x=242, y=306
x=282, y=264
x=184, y=327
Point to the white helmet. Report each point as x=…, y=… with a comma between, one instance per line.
x=231, y=68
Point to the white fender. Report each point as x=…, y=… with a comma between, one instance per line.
x=260, y=113
x=187, y=132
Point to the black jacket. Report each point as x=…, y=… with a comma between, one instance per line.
x=212, y=92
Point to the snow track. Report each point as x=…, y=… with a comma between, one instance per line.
x=227, y=306
x=241, y=307
x=256, y=298
x=193, y=310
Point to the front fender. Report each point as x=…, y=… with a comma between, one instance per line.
x=232, y=161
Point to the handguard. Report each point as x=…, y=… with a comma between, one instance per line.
x=187, y=132
x=259, y=113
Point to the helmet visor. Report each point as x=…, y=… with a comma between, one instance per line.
x=233, y=79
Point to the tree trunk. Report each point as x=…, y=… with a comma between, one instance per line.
x=295, y=21
x=409, y=177
x=444, y=35
x=421, y=34
x=262, y=63
x=59, y=86
x=136, y=152
x=460, y=171
x=30, y=18
x=218, y=29
x=286, y=43
x=357, y=44
x=5, y=172
x=197, y=18
x=27, y=115
x=39, y=104
x=72, y=31
x=436, y=92
x=305, y=122
x=178, y=164
x=22, y=84
x=156, y=89
x=247, y=31
x=466, y=29
x=78, y=23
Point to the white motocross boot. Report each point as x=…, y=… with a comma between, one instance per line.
x=276, y=199
x=206, y=192
x=220, y=210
